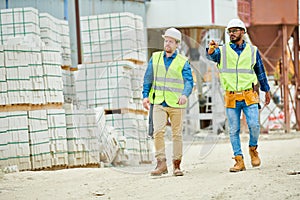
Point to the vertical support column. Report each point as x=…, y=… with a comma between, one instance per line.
x=73, y=35
x=66, y=15
x=297, y=75
x=78, y=36
x=212, y=11
x=285, y=69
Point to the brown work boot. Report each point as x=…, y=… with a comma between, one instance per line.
x=176, y=168
x=255, y=161
x=239, y=165
x=161, y=168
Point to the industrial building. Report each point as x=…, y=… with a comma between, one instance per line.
x=71, y=74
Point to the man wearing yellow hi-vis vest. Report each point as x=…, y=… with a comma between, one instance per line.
x=167, y=84
x=241, y=68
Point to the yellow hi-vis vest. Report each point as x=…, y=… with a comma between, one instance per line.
x=167, y=84
x=236, y=72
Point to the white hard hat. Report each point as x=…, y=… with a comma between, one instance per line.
x=236, y=23
x=173, y=33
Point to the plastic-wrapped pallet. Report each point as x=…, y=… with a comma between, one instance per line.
x=112, y=37
x=2, y=65
x=55, y=32
x=17, y=74
x=18, y=22
x=124, y=122
x=39, y=139
x=65, y=44
x=68, y=86
x=3, y=83
x=109, y=147
x=52, y=74
x=50, y=30
x=105, y=84
x=24, y=71
x=58, y=136
x=18, y=140
x=82, y=137
x=4, y=139
x=137, y=80
x=133, y=127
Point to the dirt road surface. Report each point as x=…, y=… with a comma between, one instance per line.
x=206, y=177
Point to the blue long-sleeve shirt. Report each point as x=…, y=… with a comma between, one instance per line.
x=259, y=68
x=186, y=74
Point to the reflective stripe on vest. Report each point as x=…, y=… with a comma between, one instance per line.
x=236, y=72
x=168, y=84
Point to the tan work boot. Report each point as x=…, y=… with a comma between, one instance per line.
x=176, y=168
x=239, y=165
x=255, y=161
x=161, y=168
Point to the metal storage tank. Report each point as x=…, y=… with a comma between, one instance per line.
x=270, y=25
x=264, y=20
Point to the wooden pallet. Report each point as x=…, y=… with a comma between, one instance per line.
x=135, y=61
x=132, y=60
x=28, y=107
x=125, y=110
x=65, y=67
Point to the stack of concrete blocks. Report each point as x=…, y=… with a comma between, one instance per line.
x=55, y=32
x=39, y=139
x=57, y=128
x=32, y=69
x=18, y=22
x=69, y=86
x=83, y=137
x=3, y=140
x=137, y=85
x=146, y=143
x=18, y=151
x=134, y=128
x=3, y=82
x=111, y=77
x=105, y=84
x=65, y=44
x=109, y=145
x=111, y=37
x=52, y=74
x=33, y=139
x=17, y=74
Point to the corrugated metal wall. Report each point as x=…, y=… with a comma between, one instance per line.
x=87, y=7
x=53, y=7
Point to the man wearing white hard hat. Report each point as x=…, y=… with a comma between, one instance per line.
x=241, y=68
x=167, y=84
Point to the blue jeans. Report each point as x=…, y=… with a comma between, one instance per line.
x=252, y=116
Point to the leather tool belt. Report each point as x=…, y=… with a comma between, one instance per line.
x=249, y=96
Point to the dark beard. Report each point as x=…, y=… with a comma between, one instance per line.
x=238, y=38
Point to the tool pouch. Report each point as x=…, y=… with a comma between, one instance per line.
x=229, y=99
x=251, y=97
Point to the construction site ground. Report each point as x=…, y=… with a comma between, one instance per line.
x=206, y=164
